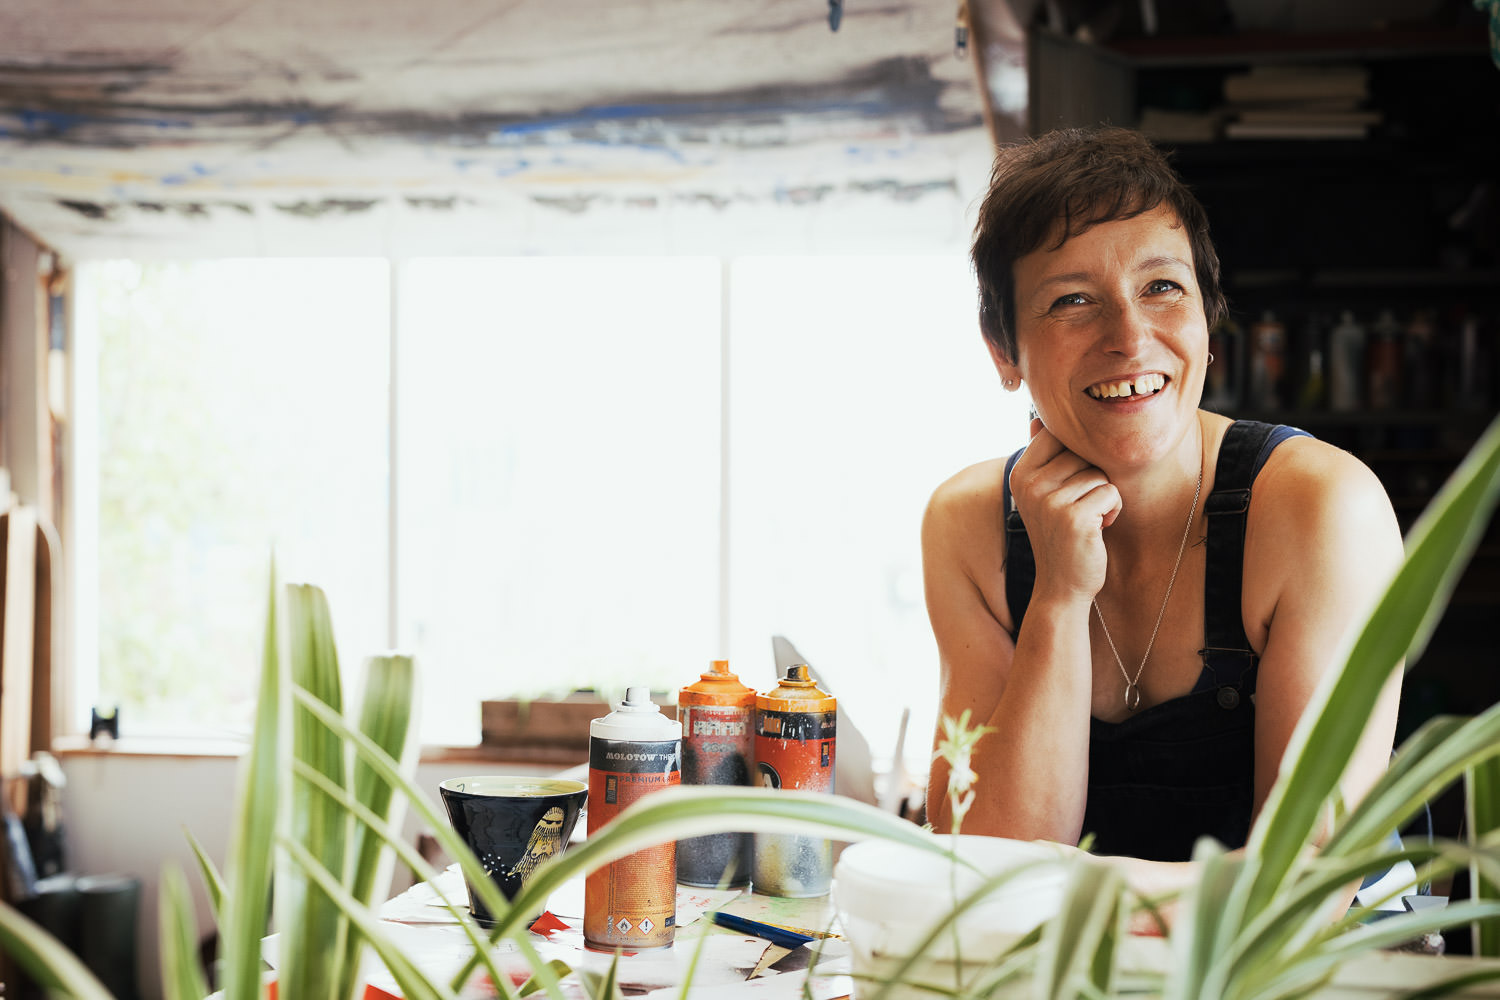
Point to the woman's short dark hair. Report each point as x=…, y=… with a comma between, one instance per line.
x=1045, y=191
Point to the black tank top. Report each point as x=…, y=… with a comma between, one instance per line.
x=1184, y=768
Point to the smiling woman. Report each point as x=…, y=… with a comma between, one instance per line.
x=1098, y=284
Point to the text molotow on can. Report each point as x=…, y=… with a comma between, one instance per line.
x=633, y=751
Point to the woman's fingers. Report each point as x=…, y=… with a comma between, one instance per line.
x=1066, y=503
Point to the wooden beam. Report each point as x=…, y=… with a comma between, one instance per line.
x=26, y=449
x=18, y=533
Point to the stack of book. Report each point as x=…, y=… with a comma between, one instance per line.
x=1299, y=102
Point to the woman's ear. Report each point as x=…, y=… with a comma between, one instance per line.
x=1010, y=375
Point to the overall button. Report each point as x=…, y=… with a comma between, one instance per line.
x=1228, y=697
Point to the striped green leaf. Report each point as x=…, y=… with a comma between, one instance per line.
x=1482, y=802
x=181, y=977
x=305, y=912
x=250, y=867
x=385, y=715
x=45, y=959
x=212, y=880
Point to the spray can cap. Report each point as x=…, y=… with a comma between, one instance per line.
x=637, y=699
x=797, y=674
x=637, y=717
x=718, y=687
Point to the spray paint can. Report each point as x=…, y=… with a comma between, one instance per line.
x=795, y=739
x=718, y=748
x=633, y=751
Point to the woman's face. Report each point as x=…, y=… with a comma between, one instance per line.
x=1111, y=338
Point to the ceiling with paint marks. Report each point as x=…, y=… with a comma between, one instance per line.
x=189, y=127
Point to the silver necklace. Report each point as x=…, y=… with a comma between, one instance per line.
x=1132, y=684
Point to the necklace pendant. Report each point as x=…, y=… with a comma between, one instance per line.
x=1132, y=695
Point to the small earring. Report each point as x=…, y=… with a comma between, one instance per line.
x=1010, y=385
x=1210, y=357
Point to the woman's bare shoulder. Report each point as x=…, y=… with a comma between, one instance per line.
x=1305, y=470
x=963, y=530
x=978, y=488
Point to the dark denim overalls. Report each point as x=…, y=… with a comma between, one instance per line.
x=1184, y=768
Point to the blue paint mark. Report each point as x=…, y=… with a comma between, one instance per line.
x=39, y=122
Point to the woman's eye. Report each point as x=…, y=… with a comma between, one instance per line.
x=1074, y=299
x=1163, y=285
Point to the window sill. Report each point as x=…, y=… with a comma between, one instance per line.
x=187, y=747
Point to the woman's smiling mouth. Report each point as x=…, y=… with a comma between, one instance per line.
x=1141, y=385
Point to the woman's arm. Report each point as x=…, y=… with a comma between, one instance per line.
x=1322, y=544
x=1034, y=691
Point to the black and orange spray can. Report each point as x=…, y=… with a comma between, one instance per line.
x=718, y=748
x=633, y=751
x=796, y=730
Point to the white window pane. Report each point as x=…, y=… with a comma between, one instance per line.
x=858, y=384
x=242, y=407
x=558, y=476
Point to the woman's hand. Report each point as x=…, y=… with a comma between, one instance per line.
x=1066, y=504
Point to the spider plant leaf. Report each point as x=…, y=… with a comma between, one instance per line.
x=385, y=715
x=1073, y=943
x=684, y=811
x=1315, y=967
x=609, y=989
x=47, y=960
x=316, y=822
x=1203, y=923
x=390, y=770
x=413, y=983
x=532, y=986
x=181, y=977
x=1438, y=548
x=1482, y=804
x=394, y=837
x=250, y=865
x=1453, y=985
x=213, y=882
x=1293, y=917
x=1422, y=767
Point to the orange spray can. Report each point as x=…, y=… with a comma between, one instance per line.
x=796, y=729
x=718, y=748
x=633, y=751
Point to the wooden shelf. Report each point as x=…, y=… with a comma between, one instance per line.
x=1251, y=47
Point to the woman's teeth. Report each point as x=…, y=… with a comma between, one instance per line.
x=1144, y=385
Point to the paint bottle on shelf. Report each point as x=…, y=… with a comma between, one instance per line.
x=1267, y=361
x=1383, y=362
x=796, y=730
x=633, y=751
x=1419, y=369
x=718, y=748
x=1312, y=393
x=1346, y=361
x=1222, y=382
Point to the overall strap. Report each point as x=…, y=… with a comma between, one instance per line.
x=1020, y=562
x=1228, y=660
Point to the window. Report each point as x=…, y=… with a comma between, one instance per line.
x=242, y=407
x=534, y=473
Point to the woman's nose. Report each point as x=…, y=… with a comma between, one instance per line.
x=1126, y=329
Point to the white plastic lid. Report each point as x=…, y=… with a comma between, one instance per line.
x=892, y=894
x=637, y=717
